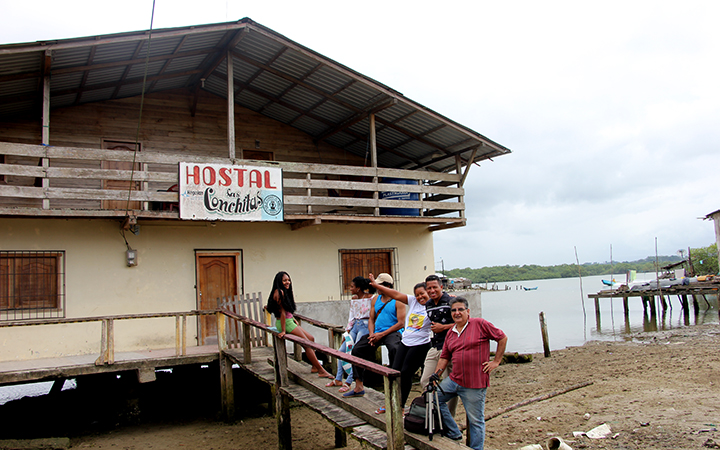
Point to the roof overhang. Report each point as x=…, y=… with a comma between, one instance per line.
x=272, y=75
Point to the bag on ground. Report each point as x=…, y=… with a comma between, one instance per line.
x=415, y=419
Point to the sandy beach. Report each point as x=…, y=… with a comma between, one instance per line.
x=658, y=391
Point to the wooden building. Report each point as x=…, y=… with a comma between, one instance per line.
x=94, y=133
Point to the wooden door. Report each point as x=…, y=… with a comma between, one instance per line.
x=217, y=277
x=359, y=263
x=120, y=185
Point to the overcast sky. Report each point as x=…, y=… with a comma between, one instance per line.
x=611, y=109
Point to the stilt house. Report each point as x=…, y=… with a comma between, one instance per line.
x=150, y=172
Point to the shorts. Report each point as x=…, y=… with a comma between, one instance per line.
x=289, y=325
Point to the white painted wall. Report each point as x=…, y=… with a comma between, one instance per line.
x=99, y=283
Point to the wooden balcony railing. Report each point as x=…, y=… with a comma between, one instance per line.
x=69, y=181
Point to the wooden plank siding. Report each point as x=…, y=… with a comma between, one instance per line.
x=318, y=179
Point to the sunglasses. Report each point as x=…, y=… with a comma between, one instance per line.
x=458, y=309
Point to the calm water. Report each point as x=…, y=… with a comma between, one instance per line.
x=516, y=312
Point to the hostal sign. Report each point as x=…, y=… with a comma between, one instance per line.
x=219, y=192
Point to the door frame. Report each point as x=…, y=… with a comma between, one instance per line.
x=239, y=273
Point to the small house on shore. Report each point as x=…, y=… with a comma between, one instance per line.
x=148, y=172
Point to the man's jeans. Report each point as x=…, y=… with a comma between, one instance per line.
x=474, y=403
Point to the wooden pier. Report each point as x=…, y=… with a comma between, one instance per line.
x=660, y=298
x=244, y=341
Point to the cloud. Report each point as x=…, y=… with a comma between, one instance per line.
x=611, y=109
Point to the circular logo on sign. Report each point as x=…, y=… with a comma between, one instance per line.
x=272, y=205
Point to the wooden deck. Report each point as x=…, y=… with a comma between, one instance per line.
x=656, y=298
x=288, y=379
x=23, y=371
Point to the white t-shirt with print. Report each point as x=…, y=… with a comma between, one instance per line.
x=417, y=324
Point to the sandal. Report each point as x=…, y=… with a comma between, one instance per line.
x=354, y=394
x=345, y=387
x=334, y=383
x=380, y=410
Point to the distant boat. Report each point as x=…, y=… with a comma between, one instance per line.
x=530, y=289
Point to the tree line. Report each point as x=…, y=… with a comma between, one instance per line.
x=704, y=261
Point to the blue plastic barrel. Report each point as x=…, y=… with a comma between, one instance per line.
x=411, y=196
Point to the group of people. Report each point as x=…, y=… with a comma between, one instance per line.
x=428, y=329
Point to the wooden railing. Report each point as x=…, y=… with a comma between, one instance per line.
x=107, y=337
x=72, y=181
x=226, y=319
x=391, y=378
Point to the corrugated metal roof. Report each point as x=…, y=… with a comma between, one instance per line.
x=273, y=75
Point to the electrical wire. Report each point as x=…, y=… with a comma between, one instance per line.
x=142, y=101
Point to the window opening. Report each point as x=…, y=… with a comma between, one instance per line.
x=32, y=285
x=361, y=262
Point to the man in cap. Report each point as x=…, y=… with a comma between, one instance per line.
x=387, y=318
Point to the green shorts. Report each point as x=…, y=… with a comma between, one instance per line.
x=289, y=325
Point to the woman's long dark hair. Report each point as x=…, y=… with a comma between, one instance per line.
x=286, y=296
x=363, y=284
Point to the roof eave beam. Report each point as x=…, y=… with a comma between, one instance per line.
x=441, y=158
x=372, y=109
x=467, y=167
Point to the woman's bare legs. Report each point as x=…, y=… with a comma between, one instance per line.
x=299, y=332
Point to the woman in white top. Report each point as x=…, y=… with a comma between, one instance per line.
x=356, y=327
x=415, y=338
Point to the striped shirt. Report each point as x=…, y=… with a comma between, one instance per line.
x=468, y=349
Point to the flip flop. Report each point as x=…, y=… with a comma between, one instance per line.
x=354, y=394
x=380, y=410
x=333, y=383
x=346, y=387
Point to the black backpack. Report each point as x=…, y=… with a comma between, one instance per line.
x=415, y=419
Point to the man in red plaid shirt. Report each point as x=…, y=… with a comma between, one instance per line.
x=467, y=345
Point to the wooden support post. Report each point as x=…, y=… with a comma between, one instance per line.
x=111, y=341
x=177, y=335
x=145, y=187
x=46, y=122
x=308, y=177
x=394, y=413
x=184, y=335
x=231, y=106
x=282, y=402
x=57, y=386
x=221, y=331
x=102, y=359
x=706, y=300
x=685, y=308
x=373, y=159
x=543, y=330
x=334, y=362
x=340, y=438
x=458, y=170
x=626, y=313
x=695, y=302
x=297, y=349
x=227, y=388
x=597, y=314
x=247, y=355
x=145, y=375
x=653, y=310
